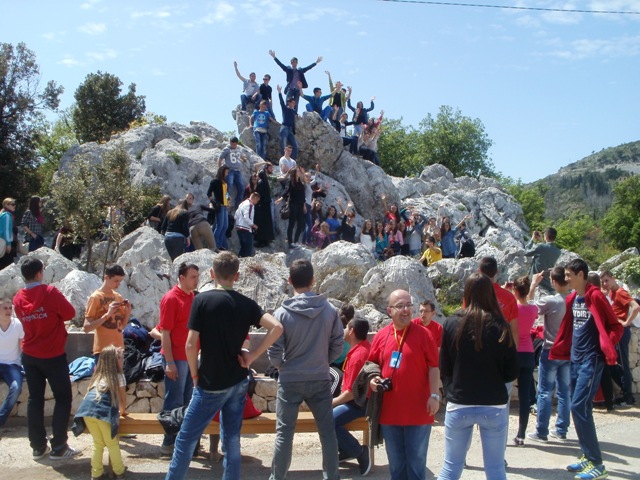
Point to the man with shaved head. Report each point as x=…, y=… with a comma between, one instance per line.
x=407, y=356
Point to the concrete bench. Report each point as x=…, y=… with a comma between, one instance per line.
x=147, y=423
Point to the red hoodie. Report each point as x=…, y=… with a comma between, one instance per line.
x=42, y=310
x=609, y=328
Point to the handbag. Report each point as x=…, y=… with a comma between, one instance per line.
x=284, y=211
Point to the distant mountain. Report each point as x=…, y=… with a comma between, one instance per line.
x=586, y=186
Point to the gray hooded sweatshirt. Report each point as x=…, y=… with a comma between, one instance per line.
x=313, y=337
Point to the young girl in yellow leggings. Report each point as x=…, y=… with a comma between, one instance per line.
x=101, y=409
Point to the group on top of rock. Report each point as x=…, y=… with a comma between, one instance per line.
x=362, y=138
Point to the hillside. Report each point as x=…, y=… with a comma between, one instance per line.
x=586, y=186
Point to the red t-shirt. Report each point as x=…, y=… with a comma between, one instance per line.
x=434, y=328
x=42, y=310
x=406, y=403
x=507, y=302
x=620, y=300
x=175, y=308
x=353, y=363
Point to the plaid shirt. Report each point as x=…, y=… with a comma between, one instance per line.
x=29, y=221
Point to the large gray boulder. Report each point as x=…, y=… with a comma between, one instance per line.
x=77, y=286
x=340, y=268
x=396, y=273
x=10, y=281
x=618, y=259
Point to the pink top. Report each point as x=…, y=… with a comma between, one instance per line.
x=527, y=315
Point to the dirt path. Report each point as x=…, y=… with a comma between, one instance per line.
x=618, y=434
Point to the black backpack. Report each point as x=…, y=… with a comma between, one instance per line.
x=467, y=247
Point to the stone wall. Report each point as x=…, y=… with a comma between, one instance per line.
x=146, y=396
x=142, y=397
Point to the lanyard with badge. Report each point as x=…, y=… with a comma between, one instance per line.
x=396, y=355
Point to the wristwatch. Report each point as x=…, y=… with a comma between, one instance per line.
x=436, y=396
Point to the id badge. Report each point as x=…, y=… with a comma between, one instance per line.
x=396, y=358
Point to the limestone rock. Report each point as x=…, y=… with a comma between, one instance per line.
x=266, y=388
x=396, y=273
x=263, y=278
x=260, y=403
x=340, y=268
x=10, y=281
x=616, y=260
x=142, y=244
x=156, y=404
x=146, y=289
x=77, y=286
x=140, y=405
x=56, y=267
x=145, y=390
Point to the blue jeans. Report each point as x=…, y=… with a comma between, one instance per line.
x=38, y=372
x=458, y=428
x=202, y=408
x=308, y=237
x=244, y=99
x=235, y=178
x=343, y=414
x=553, y=373
x=177, y=393
x=288, y=138
x=12, y=375
x=585, y=379
x=246, y=242
x=622, y=376
x=324, y=114
x=295, y=94
x=407, y=450
x=220, y=230
x=261, y=143
x=317, y=396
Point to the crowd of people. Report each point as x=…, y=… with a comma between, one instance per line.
x=477, y=354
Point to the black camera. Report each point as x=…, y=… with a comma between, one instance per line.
x=385, y=384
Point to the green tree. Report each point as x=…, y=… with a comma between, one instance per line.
x=459, y=143
x=102, y=110
x=21, y=101
x=530, y=198
x=622, y=222
x=83, y=193
x=52, y=142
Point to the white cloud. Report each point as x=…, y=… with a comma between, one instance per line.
x=69, y=61
x=153, y=14
x=591, y=48
x=89, y=4
x=93, y=28
x=158, y=73
x=103, y=55
x=223, y=12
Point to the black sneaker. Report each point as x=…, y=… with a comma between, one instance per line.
x=364, y=461
x=64, y=453
x=39, y=453
x=344, y=457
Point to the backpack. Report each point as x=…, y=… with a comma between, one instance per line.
x=136, y=332
x=467, y=247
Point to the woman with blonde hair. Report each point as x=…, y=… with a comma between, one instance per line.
x=101, y=408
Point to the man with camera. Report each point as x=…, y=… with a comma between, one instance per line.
x=544, y=256
x=407, y=356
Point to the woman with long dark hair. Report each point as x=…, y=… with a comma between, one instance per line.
x=175, y=228
x=32, y=222
x=158, y=212
x=478, y=356
x=218, y=193
x=294, y=193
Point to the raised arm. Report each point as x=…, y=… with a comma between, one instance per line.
x=235, y=65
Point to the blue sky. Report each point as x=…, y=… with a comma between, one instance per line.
x=550, y=87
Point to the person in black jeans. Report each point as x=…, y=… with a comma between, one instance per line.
x=294, y=194
x=42, y=310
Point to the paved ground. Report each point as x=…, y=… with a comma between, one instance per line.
x=619, y=435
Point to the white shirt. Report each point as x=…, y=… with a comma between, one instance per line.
x=244, y=215
x=10, y=342
x=286, y=164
